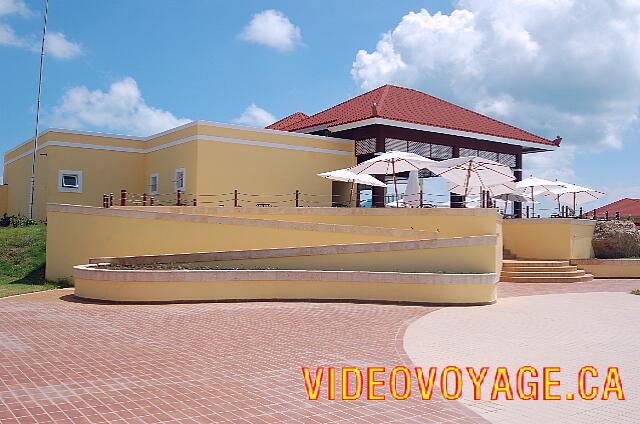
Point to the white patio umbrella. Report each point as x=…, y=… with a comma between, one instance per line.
x=536, y=186
x=472, y=173
x=514, y=196
x=571, y=194
x=412, y=192
x=494, y=191
x=347, y=176
x=472, y=203
x=391, y=163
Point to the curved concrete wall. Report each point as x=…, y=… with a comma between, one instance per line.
x=211, y=285
x=451, y=255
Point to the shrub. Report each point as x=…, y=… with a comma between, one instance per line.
x=16, y=221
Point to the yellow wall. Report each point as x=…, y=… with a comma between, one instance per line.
x=165, y=162
x=163, y=291
x=265, y=174
x=549, y=238
x=217, y=159
x=17, y=176
x=103, y=172
x=477, y=259
x=610, y=268
x=448, y=222
x=76, y=234
x=4, y=199
x=74, y=238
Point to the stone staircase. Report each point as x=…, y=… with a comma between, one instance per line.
x=542, y=271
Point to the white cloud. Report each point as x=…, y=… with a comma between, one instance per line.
x=11, y=7
x=120, y=109
x=255, y=116
x=58, y=46
x=8, y=37
x=556, y=165
x=273, y=29
x=564, y=67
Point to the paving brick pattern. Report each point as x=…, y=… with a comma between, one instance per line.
x=64, y=361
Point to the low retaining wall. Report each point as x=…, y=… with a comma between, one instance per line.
x=549, y=238
x=78, y=233
x=435, y=256
x=215, y=285
x=610, y=268
x=447, y=222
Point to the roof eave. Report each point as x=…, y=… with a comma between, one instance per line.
x=528, y=146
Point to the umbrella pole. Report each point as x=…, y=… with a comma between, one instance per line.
x=559, y=212
x=466, y=185
x=395, y=182
x=574, y=204
x=533, y=204
x=351, y=192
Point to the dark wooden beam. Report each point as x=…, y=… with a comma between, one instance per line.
x=456, y=200
x=379, y=192
x=517, y=206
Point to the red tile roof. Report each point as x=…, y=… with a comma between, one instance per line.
x=626, y=207
x=287, y=121
x=408, y=105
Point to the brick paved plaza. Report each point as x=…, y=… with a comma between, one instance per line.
x=68, y=361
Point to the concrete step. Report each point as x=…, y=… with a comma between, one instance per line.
x=565, y=268
x=519, y=263
x=529, y=273
x=576, y=279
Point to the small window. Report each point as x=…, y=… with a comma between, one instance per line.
x=181, y=179
x=153, y=183
x=70, y=181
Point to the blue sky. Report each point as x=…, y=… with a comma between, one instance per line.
x=555, y=68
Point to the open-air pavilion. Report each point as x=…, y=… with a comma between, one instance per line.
x=392, y=118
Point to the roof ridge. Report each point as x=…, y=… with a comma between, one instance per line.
x=280, y=121
x=380, y=104
x=346, y=101
x=474, y=112
x=412, y=105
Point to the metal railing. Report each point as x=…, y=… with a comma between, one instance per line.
x=297, y=198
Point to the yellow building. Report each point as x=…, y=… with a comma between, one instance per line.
x=439, y=255
x=199, y=159
x=209, y=162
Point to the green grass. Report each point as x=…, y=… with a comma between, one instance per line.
x=22, y=258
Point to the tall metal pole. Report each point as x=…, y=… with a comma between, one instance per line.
x=35, y=139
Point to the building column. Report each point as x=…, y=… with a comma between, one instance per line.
x=379, y=192
x=456, y=200
x=517, y=206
